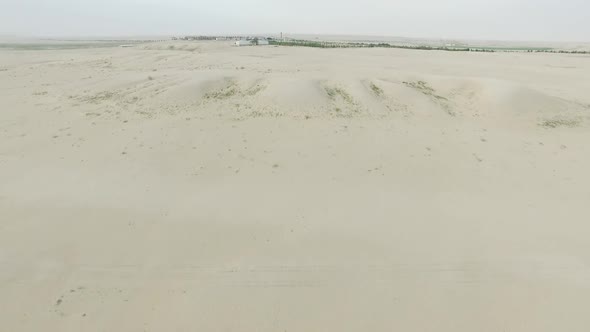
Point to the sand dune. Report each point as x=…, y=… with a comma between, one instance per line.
x=204, y=187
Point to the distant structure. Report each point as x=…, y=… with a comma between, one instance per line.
x=239, y=40
x=190, y=38
x=243, y=43
x=252, y=42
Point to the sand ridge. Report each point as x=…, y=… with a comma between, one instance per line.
x=201, y=80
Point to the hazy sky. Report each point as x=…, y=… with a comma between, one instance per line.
x=544, y=20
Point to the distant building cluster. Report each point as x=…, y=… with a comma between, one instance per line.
x=239, y=40
x=208, y=38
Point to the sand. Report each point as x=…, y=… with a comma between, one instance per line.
x=204, y=187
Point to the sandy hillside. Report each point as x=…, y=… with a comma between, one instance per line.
x=203, y=187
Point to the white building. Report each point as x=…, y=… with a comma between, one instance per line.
x=243, y=43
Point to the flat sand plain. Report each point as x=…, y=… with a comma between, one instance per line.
x=205, y=187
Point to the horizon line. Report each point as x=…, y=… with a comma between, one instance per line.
x=96, y=36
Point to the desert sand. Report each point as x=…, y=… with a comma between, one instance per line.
x=204, y=187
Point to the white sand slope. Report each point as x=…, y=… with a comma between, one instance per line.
x=202, y=187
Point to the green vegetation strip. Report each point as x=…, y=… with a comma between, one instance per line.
x=326, y=44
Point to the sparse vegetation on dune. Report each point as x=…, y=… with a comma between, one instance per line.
x=561, y=122
x=344, y=105
x=98, y=97
x=427, y=90
x=376, y=90
x=254, y=90
x=226, y=92
x=334, y=92
x=232, y=89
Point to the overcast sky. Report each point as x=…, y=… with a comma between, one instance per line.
x=542, y=20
